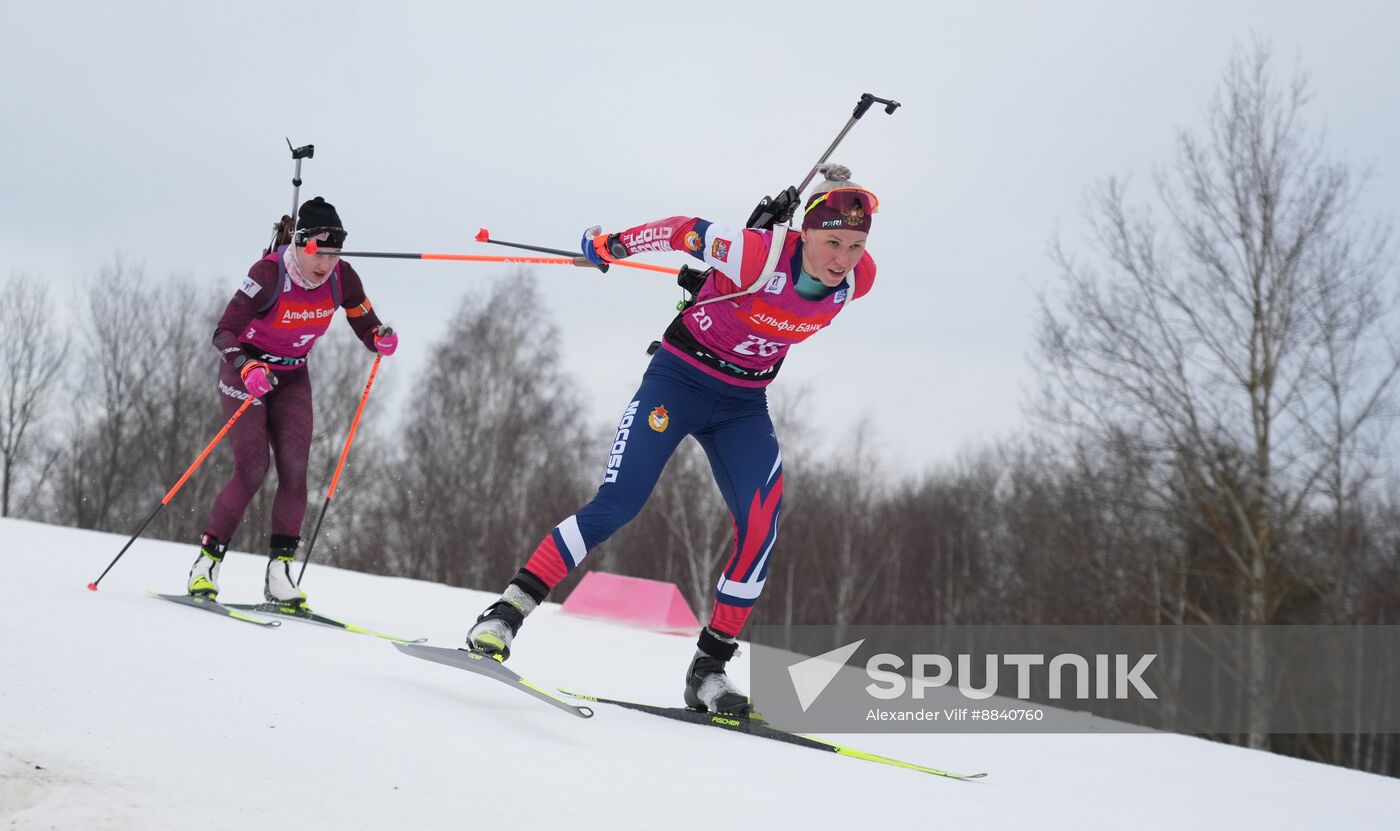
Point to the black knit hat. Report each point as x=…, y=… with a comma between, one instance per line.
x=317, y=213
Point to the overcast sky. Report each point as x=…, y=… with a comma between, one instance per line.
x=155, y=131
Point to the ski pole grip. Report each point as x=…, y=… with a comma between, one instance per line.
x=867, y=100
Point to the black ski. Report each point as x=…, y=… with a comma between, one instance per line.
x=483, y=664
x=754, y=725
x=200, y=602
x=303, y=613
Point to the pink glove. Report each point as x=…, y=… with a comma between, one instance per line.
x=257, y=379
x=386, y=340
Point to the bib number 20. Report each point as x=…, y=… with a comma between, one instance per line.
x=702, y=319
x=754, y=346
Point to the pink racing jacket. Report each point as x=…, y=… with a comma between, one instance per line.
x=743, y=339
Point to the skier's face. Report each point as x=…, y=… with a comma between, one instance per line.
x=317, y=267
x=829, y=254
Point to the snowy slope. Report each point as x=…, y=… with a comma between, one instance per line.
x=118, y=711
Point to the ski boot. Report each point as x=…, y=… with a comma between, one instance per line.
x=496, y=627
x=278, y=587
x=707, y=687
x=204, y=574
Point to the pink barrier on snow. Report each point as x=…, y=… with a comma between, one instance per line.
x=633, y=600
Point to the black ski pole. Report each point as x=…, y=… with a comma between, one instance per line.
x=580, y=261
x=485, y=236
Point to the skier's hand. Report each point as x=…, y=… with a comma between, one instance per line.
x=601, y=249
x=257, y=377
x=386, y=340
x=771, y=211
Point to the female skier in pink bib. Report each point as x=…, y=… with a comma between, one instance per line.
x=708, y=381
x=264, y=338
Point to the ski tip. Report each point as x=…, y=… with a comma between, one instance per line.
x=92, y=587
x=483, y=235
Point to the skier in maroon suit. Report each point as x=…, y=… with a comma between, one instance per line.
x=264, y=338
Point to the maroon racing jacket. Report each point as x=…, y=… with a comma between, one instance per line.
x=272, y=319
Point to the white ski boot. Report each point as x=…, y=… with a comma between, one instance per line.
x=278, y=586
x=204, y=574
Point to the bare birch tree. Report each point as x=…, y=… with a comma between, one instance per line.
x=491, y=444
x=1207, y=336
x=96, y=485
x=34, y=357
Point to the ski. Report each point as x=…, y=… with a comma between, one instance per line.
x=754, y=725
x=483, y=664
x=214, y=606
x=303, y=613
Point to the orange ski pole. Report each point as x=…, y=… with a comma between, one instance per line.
x=335, y=480
x=171, y=494
x=488, y=258
x=485, y=236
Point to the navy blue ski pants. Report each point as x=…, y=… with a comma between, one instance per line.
x=732, y=425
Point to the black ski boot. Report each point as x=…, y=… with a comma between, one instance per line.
x=707, y=687
x=496, y=627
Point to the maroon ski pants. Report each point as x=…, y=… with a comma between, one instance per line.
x=279, y=422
